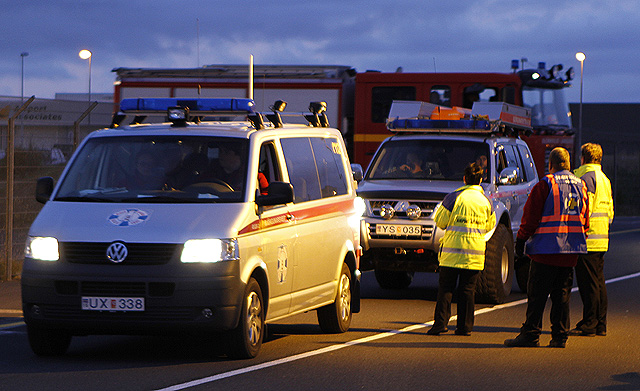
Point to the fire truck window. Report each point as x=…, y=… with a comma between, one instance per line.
x=509, y=94
x=489, y=95
x=381, y=98
x=440, y=95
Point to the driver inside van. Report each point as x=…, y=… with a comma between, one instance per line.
x=229, y=166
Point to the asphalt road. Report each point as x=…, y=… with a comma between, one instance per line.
x=386, y=348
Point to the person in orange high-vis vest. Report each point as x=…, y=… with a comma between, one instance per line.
x=553, y=231
x=590, y=266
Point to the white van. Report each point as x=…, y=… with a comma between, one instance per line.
x=205, y=226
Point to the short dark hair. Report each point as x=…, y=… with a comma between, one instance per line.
x=591, y=153
x=473, y=174
x=560, y=159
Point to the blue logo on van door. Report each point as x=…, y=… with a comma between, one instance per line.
x=128, y=217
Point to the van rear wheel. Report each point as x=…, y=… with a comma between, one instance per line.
x=336, y=317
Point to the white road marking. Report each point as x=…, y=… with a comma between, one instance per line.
x=347, y=344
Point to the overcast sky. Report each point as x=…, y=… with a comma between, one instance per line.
x=419, y=36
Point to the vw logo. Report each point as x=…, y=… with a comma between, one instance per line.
x=117, y=252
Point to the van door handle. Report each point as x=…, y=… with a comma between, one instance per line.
x=289, y=217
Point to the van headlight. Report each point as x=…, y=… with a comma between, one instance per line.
x=42, y=248
x=209, y=250
x=359, y=207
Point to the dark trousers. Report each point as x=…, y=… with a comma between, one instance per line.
x=593, y=292
x=466, y=297
x=545, y=281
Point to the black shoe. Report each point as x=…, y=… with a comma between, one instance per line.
x=578, y=332
x=521, y=342
x=557, y=343
x=462, y=332
x=601, y=333
x=437, y=330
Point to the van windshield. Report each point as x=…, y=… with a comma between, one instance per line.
x=148, y=169
x=428, y=159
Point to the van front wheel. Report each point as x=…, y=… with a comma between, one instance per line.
x=246, y=338
x=336, y=317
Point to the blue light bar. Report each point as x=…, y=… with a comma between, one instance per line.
x=199, y=105
x=427, y=124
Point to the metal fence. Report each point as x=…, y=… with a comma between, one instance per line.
x=31, y=148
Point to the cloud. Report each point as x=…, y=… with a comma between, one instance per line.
x=464, y=36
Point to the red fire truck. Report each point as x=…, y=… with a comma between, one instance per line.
x=358, y=103
x=539, y=89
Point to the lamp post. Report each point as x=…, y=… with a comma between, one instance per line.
x=580, y=57
x=86, y=55
x=22, y=56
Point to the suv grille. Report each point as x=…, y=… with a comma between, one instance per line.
x=426, y=207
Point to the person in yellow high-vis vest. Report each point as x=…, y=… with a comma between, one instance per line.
x=590, y=266
x=467, y=216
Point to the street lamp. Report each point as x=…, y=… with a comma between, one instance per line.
x=22, y=55
x=86, y=55
x=580, y=57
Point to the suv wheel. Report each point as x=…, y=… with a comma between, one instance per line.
x=336, y=317
x=393, y=279
x=494, y=284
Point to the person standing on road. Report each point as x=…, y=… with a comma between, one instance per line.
x=590, y=266
x=553, y=230
x=467, y=216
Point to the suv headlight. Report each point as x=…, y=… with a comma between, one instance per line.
x=42, y=248
x=209, y=250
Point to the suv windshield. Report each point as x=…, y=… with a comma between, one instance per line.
x=157, y=169
x=428, y=159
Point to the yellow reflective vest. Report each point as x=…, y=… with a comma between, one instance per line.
x=466, y=216
x=600, y=206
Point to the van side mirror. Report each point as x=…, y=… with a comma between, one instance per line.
x=358, y=173
x=277, y=193
x=44, y=189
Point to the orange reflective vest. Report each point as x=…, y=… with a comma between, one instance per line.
x=564, y=216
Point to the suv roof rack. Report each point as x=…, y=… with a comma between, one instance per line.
x=483, y=118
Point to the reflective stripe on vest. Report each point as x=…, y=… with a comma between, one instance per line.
x=465, y=251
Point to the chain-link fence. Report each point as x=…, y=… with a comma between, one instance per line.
x=36, y=143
